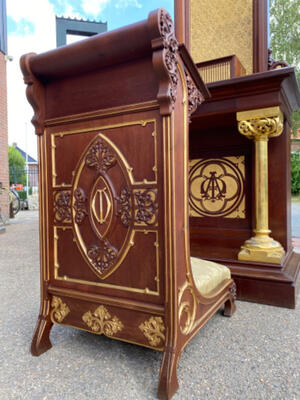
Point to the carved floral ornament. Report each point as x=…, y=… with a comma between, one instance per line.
x=154, y=329
x=195, y=97
x=142, y=210
x=170, y=45
x=60, y=310
x=101, y=322
x=62, y=206
x=260, y=124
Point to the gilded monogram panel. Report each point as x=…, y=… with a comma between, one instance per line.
x=217, y=187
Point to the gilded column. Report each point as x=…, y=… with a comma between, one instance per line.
x=260, y=125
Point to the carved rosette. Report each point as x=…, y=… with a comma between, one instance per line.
x=170, y=50
x=195, y=97
x=62, y=206
x=60, y=310
x=154, y=329
x=100, y=157
x=146, y=206
x=79, y=205
x=102, y=256
x=101, y=322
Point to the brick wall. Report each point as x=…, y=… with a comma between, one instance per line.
x=3, y=135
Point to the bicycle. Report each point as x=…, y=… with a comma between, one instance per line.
x=14, y=202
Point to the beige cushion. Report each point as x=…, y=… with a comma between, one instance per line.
x=208, y=275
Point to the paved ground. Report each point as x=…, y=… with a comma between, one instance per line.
x=252, y=356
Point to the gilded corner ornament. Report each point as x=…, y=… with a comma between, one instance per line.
x=154, y=329
x=60, y=310
x=101, y=322
x=260, y=124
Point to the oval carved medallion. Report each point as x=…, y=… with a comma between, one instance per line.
x=101, y=236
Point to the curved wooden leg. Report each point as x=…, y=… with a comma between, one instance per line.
x=41, y=341
x=168, y=383
x=229, y=308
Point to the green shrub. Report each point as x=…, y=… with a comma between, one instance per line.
x=22, y=194
x=295, y=172
x=30, y=191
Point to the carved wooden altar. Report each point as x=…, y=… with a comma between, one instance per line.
x=111, y=115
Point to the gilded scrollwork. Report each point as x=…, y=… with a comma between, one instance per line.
x=62, y=206
x=60, y=310
x=101, y=322
x=261, y=128
x=187, y=308
x=79, y=205
x=102, y=255
x=100, y=157
x=154, y=329
x=125, y=206
x=146, y=206
x=171, y=46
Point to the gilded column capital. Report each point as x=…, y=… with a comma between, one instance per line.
x=260, y=124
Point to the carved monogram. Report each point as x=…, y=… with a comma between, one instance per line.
x=62, y=206
x=171, y=46
x=147, y=206
x=102, y=256
x=79, y=205
x=100, y=157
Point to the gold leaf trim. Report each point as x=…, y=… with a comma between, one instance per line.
x=153, y=330
x=60, y=309
x=101, y=322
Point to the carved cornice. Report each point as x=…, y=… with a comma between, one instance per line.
x=154, y=329
x=101, y=322
x=260, y=124
x=34, y=93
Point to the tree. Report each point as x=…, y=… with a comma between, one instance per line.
x=285, y=39
x=16, y=166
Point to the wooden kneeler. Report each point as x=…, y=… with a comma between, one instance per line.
x=111, y=115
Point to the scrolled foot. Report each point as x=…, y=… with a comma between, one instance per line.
x=41, y=341
x=168, y=383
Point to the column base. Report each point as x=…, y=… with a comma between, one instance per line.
x=262, y=249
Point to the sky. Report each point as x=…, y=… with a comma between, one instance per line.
x=31, y=28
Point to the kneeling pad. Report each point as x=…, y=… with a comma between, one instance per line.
x=208, y=275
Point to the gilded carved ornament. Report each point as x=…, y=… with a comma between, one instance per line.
x=101, y=322
x=60, y=310
x=260, y=124
x=154, y=329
